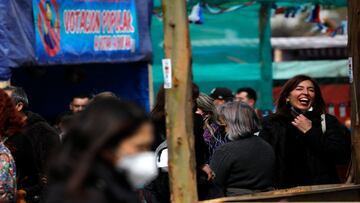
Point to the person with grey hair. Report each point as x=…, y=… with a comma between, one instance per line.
x=214, y=133
x=19, y=97
x=245, y=164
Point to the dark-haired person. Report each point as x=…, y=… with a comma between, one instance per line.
x=79, y=102
x=10, y=124
x=105, y=156
x=63, y=121
x=221, y=95
x=245, y=164
x=43, y=138
x=308, y=143
x=246, y=95
x=160, y=187
x=214, y=133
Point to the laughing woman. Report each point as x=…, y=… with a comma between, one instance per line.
x=308, y=143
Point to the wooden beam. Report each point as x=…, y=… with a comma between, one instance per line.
x=179, y=122
x=323, y=193
x=354, y=53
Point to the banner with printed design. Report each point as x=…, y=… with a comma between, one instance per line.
x=85, y=31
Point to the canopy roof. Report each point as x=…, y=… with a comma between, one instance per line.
x=228, y=4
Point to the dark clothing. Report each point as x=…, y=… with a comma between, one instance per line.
x=201, y=151
x=103, y=185
x=43, y=138
x=216, y=140
x=244, y=166
x=310, y=158
x=158, y=191
x=27, y=173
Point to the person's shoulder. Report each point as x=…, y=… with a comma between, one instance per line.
x=274, y=121
x=330, y=118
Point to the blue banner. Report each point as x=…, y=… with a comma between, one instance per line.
x=83, y=31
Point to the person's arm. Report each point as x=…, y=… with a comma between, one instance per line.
x=221, y=165
x=7, y=182
x=334, y=144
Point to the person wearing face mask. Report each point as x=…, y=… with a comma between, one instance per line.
x=105, y=156
x=308, y=142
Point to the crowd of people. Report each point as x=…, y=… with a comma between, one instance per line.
x=106, y=149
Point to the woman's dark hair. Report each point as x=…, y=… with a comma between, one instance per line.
x=100, y=127
x=11, y=121
x=158, y=112
x=284, y=108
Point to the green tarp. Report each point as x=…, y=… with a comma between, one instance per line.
x=226, y=48
x=221, y=43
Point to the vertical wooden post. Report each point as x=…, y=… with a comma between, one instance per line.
x=179, y=122
x=354, y=53
x=265, y=54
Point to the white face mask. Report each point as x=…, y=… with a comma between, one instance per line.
x=140, y=168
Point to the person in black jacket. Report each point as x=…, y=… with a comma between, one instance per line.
x=43, y=138
x=105, y=156
x=245, y=164
x=308, y=143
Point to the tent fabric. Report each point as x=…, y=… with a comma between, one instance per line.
x=128, y=81
x=17, y=36
x=315, y=69
x=224, y=44
x=235, y=76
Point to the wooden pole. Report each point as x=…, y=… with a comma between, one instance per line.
x=354, y=53
x=179, y=122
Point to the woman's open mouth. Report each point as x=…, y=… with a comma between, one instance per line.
x=304, y=101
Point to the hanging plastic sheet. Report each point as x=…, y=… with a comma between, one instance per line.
x=16, y=35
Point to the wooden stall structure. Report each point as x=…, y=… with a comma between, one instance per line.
x=179, y=122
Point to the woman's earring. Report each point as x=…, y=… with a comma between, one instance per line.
x=287, y=100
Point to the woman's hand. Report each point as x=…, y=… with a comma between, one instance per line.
x=302, y=123
x=206, y=168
